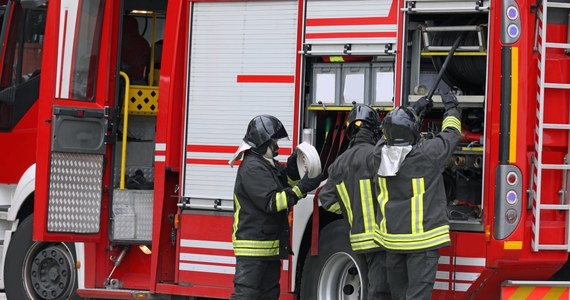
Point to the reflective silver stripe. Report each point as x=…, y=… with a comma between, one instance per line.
x=452, y=122
x=341, y=188
x=281, y=201
x=417, y=206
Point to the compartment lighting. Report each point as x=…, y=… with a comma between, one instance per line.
x=145, y=249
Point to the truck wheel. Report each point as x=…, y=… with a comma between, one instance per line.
x=337, y=272
x=39, y=270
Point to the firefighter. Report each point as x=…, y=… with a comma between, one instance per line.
x=349, y=190
x=264, y=190
x=412, y=197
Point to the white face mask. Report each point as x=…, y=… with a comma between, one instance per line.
x=272, y=150
x=269, y=153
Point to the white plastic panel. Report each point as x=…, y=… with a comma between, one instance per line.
x=242, y=65
x=331, y=24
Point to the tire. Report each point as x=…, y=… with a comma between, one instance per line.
x=337, y=272
x=39, y=270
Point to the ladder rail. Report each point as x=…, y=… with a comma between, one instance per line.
x=536, y=184
x=542, y=14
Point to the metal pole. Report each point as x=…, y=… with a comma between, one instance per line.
x=444, y=66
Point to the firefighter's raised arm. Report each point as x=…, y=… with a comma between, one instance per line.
x=441, y=147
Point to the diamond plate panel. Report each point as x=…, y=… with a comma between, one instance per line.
x=143, y=214
x=132, y=214
x=123, y=221
x=74, y=203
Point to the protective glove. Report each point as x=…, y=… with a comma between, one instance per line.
x=422, y=106
x=292, y=169
x=307, y=184
x=449, y=101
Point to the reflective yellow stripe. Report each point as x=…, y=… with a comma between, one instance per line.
x=359, y=237
x=382, y=200
x=417, y=204
x=365, y=245
x=298, y=192
x=367, y=206
x=514, y=104
x=341, y=188
x=255, y=252
x=292, y=182
x=405, y=237
x=251, y=247
x=336, y=59
x=236, y=217
x=256, y=248
x=256, y=244
x=363, y=241
x=281, y=201
x=416, y=245
x=431, y=238
x=335, y=208
x=452, y=122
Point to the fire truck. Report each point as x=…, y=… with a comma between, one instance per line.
x=119, y=118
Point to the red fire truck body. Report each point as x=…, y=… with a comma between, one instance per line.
x=144, y=188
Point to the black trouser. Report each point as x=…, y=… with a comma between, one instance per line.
x=256, y=279
x=411, y=275
x=378, y=288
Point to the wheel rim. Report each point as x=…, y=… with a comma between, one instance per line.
x=47, y=272
x=340, y=278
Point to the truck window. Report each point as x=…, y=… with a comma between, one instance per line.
x=19, y=82
x=80, y=62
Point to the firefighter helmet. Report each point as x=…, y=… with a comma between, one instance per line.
x=401, y=127
x=262, y=129
x=362, y=116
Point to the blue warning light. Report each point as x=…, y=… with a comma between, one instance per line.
x=512, y=13
x=513, y=31
x=511, y=197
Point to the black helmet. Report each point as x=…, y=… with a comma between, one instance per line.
x=401, y=127
x=262, y=129
x=362, y=116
